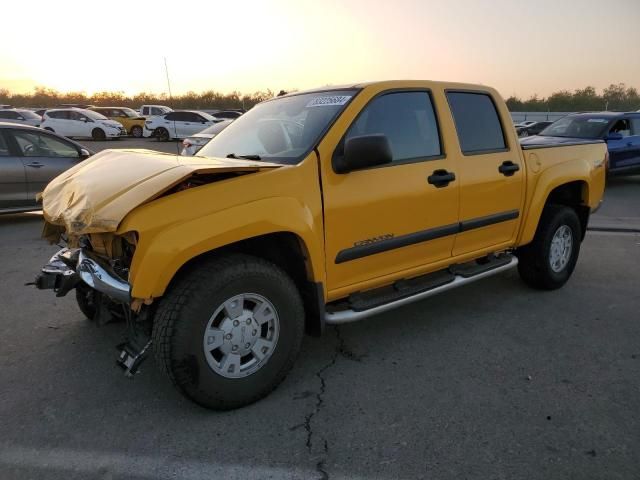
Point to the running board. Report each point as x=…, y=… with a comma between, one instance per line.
x=352, y=315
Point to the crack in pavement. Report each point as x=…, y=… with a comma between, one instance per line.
x=340, y=350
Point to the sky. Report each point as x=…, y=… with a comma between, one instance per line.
x=520, y=47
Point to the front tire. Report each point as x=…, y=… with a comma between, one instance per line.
x=229, y=330
x=548, y=261
x=87, y=299
x=98, y=135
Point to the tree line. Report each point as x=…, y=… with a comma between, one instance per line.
x=616, y=97
x=47, y=97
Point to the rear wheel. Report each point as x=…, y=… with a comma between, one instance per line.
x=548, y=261
x=162, y=134
x=229, y=330
x=98, y=134
x=136, y=131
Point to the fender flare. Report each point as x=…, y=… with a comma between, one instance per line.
x=549, y=180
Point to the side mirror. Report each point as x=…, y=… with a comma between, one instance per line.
x=84, y=153
x=613, y=136
x=363, y=152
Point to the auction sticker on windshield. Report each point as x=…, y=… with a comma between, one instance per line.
x=328, y=101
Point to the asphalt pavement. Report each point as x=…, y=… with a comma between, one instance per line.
x=490, y=381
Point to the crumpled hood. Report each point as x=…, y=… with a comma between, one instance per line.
x=95, y=195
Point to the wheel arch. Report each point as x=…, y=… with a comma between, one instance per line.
x=288, y=251
x=573, y=194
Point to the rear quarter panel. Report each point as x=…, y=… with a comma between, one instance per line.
x=551, y=167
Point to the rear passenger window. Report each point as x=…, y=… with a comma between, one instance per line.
x=635, y=126
x=477, y=122
x=407, y=119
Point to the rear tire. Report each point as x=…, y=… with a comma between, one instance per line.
x=98, y=135
x=162, y=134
x=136, y=131
x=548, y=261
x=237, y=303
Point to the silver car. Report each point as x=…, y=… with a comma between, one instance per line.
x=29, y=159
x=20, y=116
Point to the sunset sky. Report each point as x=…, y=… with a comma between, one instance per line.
x=519, y=47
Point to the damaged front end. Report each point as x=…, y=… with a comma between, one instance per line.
x=97, y=267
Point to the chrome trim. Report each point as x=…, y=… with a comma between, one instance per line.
x=346, y=316
x=55, y=265
x=101, y=277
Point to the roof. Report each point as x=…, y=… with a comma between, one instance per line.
x=395, y=84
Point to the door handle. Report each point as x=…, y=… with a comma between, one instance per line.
x=441, y=178
x=508, y=168
x=35, y=165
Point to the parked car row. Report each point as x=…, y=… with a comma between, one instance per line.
x=100, y=123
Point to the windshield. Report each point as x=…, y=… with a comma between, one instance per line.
x=130, y=112
x=94, y=115
x=577, y=127
x=281, y=130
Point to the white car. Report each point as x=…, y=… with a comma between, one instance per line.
x=181, y=124
x=154, y=110
x=77, y=122
x=192, y=144
x=21, y=116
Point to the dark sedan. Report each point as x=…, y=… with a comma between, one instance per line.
x=532, y=129
x=29, y=159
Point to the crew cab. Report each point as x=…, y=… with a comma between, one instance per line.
x=315, y=208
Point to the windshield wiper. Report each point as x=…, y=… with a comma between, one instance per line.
x=246, y=157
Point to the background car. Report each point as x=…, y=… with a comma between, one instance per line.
x=179, y=124
x=29, y=159
x=192, y=144
x=154, y=110
x=21, y=116
x=525, y=123
x=533, y=129
x=620, y=130
x=77, y=122
x=128, y=117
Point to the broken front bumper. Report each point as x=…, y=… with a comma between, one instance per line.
x=68, y=267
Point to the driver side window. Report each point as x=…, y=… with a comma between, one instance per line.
x=408, y=121
x=622, y=127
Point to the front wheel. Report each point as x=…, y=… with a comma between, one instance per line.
x=548, y=261
x=98, y=134
x=229, y=330
x=87, y=299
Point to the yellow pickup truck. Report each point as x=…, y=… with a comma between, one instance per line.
x=315, y=208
